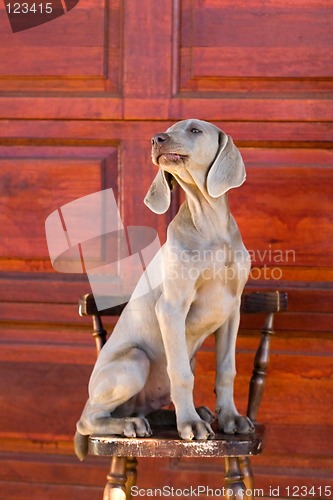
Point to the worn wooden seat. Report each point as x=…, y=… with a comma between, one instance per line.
x=165, y=442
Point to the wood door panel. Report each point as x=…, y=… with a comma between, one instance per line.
x=35, y=182
x=42, y=182
x=44, y=417
x=282, y=209
x=239, y=47
x=89, y=36
x=261, y=61
x=217, y=24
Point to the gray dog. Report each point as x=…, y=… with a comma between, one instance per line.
x=149, y=358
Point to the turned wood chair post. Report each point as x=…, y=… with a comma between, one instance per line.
x=131, y=474
x=256, y=392
x=261, y=361
x=99, y=333
x=123, y=473
x=115, y=488
x=246, y=469
x=234, y=479
x=258, y=379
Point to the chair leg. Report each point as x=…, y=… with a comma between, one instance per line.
x=234, y=479
x=131, y=474
x=245, y=465
x=115, y=488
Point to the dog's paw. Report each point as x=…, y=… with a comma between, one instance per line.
x=135, y=427
x=205, y=414
x=235, y=424
x=198, y=429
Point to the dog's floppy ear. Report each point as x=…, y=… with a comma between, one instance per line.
x=228, y=169
x=158, y=198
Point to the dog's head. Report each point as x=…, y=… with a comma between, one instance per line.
x=193, y=152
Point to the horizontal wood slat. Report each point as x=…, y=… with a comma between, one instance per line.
x=17, y=490
x=97, y=133
x=260, y=62
x=286, y=108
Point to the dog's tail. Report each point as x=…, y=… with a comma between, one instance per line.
x=81, y=445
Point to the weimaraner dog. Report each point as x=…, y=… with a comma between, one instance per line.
x=149, y=358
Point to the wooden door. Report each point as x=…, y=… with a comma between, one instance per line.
x=80, y=98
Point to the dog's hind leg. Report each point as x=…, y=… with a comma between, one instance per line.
x=113, y=385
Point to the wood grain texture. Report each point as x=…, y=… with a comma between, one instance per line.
x=299, y=183
x=255, y=48
x=90, y=39
x=80, y=99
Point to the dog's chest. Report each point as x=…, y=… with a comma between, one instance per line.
x=208, y=312
x=216, y=267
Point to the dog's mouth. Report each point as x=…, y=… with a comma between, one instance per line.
x=171, y=157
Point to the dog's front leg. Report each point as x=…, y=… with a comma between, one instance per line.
x=229, y=420
x=171, y=315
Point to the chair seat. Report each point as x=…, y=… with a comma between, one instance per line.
x=166, y=443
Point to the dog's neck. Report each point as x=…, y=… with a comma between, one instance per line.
x=208, y=215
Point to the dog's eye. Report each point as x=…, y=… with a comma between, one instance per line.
x=195, y=131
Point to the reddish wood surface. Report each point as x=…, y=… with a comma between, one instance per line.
x=80, y=98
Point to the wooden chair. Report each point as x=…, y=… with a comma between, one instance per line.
x=236, y=449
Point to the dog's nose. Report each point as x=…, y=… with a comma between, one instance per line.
x=158, y=139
